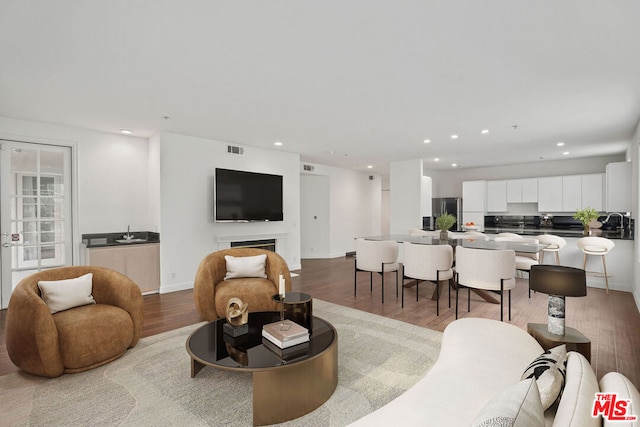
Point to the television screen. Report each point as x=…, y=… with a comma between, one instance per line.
x=247, y=196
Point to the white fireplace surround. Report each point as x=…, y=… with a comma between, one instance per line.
x=224, y=242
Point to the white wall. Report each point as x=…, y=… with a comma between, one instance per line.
x=449, y=183
x=355, y=206
x=112, y=174
x=187, y=230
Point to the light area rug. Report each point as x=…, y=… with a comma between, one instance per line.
x=378, y=359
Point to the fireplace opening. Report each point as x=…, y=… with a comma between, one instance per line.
x=268, y=244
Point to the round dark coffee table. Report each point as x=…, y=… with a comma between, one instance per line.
x=283, y=388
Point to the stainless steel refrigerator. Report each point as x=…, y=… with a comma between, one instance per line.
x=451, y=205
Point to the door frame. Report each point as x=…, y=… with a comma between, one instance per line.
x=76, y=240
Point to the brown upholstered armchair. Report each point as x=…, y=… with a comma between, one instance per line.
x=79, y=338
x=212, y=293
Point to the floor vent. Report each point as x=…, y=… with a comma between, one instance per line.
x=308, y=168
x=232, y=149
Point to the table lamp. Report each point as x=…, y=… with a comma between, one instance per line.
x=558, y=282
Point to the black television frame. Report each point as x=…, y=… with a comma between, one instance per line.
x=260, y=185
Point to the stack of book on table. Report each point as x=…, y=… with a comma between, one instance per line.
x=290, y=341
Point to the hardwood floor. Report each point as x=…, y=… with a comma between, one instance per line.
x=611, y=322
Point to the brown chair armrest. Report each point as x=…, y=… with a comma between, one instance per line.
x=31, y=336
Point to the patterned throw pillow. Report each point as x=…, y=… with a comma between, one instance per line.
x=516, y=406
x=549, y=371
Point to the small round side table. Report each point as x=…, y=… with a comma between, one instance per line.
x=298, y=307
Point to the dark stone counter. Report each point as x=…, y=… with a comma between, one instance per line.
x=100, y=240
x=577, y=233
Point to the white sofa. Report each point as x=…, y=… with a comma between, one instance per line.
x=478, y=359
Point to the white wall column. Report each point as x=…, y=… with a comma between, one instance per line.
x=406, y=185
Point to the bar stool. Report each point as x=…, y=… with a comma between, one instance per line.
x=555, y=244
x=596, y=246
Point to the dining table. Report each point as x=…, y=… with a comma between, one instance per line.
x=467, y=241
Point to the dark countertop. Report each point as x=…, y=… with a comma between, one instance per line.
x=101, y=240
x=577, y=233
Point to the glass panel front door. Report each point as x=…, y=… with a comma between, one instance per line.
x=35, y=215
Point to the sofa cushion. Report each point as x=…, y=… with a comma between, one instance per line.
x=516, y=406
x=253, y=291
x=545, y=369
x=614, y=382
x=69, y=293
x=581, y=386
x=245, y=266
x=92, y=335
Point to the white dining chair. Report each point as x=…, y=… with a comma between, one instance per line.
x=596, y=246
x=376, y=257
x=485, y=269
x=556, y=243
x=524, y=260
x=427, y=263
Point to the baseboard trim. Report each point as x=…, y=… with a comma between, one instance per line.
x=175, y=287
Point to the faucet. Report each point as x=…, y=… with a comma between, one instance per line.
x=621, y=219
x=128, y=236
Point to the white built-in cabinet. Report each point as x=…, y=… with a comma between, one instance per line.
x=522, y=190
x=593, y=191
x=570, y=193
x=496, y=196
x=474, y=201
x=618, y=184
x=550, y=194
x=474, y=196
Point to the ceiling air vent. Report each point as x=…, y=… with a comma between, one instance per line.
x=232, y=149
x=308, y=168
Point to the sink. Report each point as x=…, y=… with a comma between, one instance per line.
x=131, y=240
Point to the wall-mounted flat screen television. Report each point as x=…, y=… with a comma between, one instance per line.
x=241, y=196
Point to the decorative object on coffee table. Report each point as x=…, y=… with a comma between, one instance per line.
x=237, y=318
x=558, y=282
x=296, y=306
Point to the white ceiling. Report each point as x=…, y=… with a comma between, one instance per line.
x=344, y=83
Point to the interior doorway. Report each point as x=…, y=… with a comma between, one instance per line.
x=314, y=216
x=35, y=211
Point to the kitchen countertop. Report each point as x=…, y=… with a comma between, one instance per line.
x=577, y=233
x=101, y=240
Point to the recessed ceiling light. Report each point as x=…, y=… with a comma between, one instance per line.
x=426, y=141
x=566, y=153
x=278, y=143
x=455, y=165
x=484, y=131
x=369, y=166
x=126, y=131
x=560, y=144
x=436, y=159
x=454, y=136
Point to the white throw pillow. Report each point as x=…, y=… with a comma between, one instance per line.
x=245, y=266
x=65, y=294
x=548, y=371
x=517, y=406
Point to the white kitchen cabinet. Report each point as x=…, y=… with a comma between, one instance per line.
x=618, y=178
x=497, y=196
x=550, y=194
x=141, y=263
x=592, y=191
x=514, y=191
x=522, y=190
x=474, y=196
x=571, y=193
x=530, y=190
